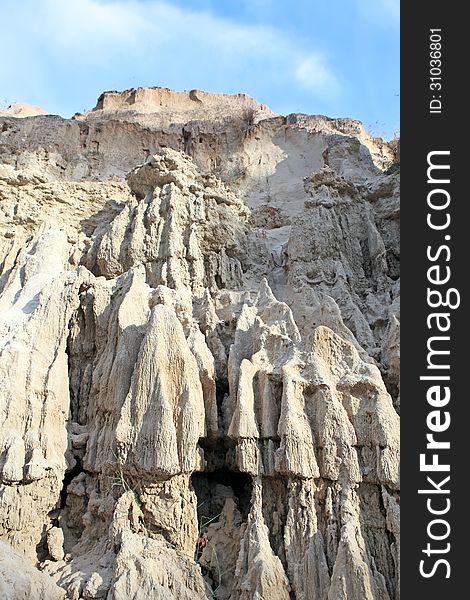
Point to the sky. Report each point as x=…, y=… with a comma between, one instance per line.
x=339, y=58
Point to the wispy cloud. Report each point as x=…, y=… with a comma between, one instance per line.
x=90, y=24
x=313, y=74
x=159, y=43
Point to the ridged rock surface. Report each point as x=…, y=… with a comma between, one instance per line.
x=199, y=353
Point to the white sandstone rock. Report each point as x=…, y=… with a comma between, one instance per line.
x=199, y=343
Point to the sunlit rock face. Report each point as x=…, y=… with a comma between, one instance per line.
x=199, y=340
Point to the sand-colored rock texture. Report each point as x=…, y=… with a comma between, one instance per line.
x=199, y=353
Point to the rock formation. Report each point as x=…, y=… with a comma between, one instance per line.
x=199, y=353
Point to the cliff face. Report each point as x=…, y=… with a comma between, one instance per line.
x=199, y=330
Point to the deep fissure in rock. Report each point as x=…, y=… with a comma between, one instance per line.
x=220, y=482
x=212, y=489
x=275, y=507
x=376, y=534
x=69, y=475
x=81, y=351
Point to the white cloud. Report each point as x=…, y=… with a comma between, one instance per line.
x=86, y=23
x=313, y=74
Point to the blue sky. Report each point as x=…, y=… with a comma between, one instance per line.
x=333, y=57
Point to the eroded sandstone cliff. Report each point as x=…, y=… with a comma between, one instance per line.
x=199, y=328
